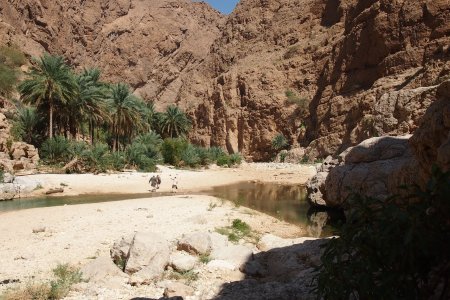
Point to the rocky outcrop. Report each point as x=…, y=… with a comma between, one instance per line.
x=378, y=167
x=431, y=141
x=326, y=74
x=280, y=268
x=15, y=156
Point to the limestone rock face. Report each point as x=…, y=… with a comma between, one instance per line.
x=326, y=74
x=431, y=142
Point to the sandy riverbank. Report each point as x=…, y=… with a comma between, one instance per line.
x=76, y=234
x=187, y=180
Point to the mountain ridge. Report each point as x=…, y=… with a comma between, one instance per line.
x=326, y=74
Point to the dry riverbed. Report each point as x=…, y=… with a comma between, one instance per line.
x=80, y=233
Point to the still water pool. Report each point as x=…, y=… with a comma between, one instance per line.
x=285, y=202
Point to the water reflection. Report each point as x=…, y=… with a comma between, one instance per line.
x=285, y=202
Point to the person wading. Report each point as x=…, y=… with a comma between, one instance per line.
x=154, y=183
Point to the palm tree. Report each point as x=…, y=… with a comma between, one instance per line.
x=126, y=113
x=28, y=118
x=49, y=84
x=90, y=104
x=174, y=122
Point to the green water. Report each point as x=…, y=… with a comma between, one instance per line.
x=285, y=202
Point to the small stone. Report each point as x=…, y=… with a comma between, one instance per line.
x=38, y=229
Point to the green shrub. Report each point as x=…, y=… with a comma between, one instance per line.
x=172, y=149
x=215, y=153
x=8, y=80
x=10, y=59
x=66, y=276
x=55, y=149
x=190, y=157
x=235, y=159
x=396, y=248
x=140, y=156
x=77, y=148
x=301, y=102
x=116, y=161
x=12, y=56
x=204, y=155
x=241, y=226
x=223, y=160
x=237, y=231
x=279, y=142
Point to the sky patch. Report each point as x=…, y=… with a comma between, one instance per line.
x=224, y=6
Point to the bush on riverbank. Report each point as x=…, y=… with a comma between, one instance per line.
x=143, y=154
x=392, y=249
x=65, y=277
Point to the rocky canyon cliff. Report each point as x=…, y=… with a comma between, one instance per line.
x=325, y=73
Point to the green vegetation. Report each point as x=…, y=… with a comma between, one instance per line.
x=301, y=102
x=10, y=61
x=50, y=85
x=280, y=142
x=204, y=258
x=237, y=231
x=187, y=276
x=174, y=123
x=99, y=126
x=65, y=277
x=392, y=249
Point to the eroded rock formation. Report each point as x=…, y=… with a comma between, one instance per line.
x=327, y=74
x=378, y=167
x=15, y=156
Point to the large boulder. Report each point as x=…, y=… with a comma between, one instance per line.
x=235, y=254
x=147, y=250
x=120, y=250
x=102, y=271
x=144, y=257
x=377, y=167
x=195, y=243
x=182, y=261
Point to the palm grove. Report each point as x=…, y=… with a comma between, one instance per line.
x=75, y=117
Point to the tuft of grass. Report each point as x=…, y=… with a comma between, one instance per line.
x=65, y=277
x=204, y=258
x=38, y=187
x=35, y=291
x=121, y=263
x=211, y=206
x=237, y=231
x=241, y=226
x=187, y=276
